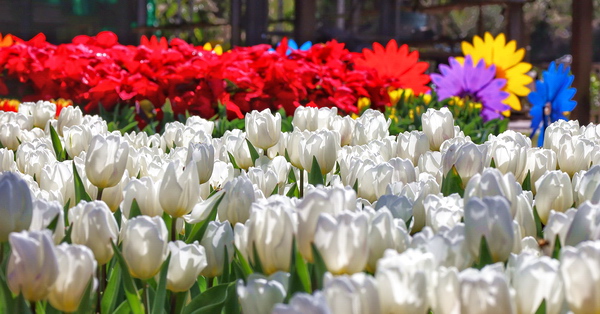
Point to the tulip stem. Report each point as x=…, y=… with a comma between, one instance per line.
x=301, y=187
x=173, y=229
x=100, y=190
x=145, y=298
x=33, y=307
x=101, y=272
x=173, y=302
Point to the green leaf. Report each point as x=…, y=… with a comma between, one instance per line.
x=538, y=224
x=355, y=186
x=134, y=211
x=123, y=308
x=542, y=308
x=226, y=267
x=56, y=144
x=158, y=306
x=131, y=291
x=80, y=193
x=257, y=265
x=231, y=303
x=232, y=160
x=54, y=223
x=299, y=276
x=493, y=163
x=86, y=305
x=247, y=270
x=315, y=177
x=319, y=268
x=527, y=182
x=452, y=183
x=199, y=229
x=212, y=299
x=253, y=153
x=557, y=247
x=485, y=256
x=109, y=298
x=293, y=190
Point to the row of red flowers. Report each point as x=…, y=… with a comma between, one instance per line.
x=98, y=70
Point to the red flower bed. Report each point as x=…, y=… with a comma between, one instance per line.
x=98, y=70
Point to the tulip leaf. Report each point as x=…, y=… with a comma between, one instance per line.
x=210, y=300
x=319, y=268
x=231, y=303
x=54, y=223
x=226, y=266
x=66, y=211
x=275, y=190
x=86, y=305
x=131, y=292
x=293, y=190
x=232, y=160
x=257, y=265
x=158, y=306
x=253, y=153
x=57, y=145
x=527, y=182
x=247, y=270
x=123, y=308
x=557, y=247
x=109, y=298
x=7, y=303
x=355, y=186
x=135, y=210
x=286, y=155
x=452, y=183
x=538, y=224
x=200, y=228
x=291, y=175
x=493, y=163
x=542, y=308
x=80, y=193
x=299, y=276
x=485, y=256
x=315, y=177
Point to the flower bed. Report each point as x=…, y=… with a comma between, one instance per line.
x=334, y=216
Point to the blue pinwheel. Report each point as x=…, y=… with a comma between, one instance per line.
x=292, y=46
x=551, y=99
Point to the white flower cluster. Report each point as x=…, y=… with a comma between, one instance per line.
x=389, y=236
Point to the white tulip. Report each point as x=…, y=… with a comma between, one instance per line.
x=145, y=242
x=489, y=218
x=344, y=126
x=312, y=119
x=235, y=205
x=491, y=182
x=443, y=211
x=44, y=212
x=218, y=237
x=106, y=160
x=32, y=266
x=263, y=128
x=179, y=191
x=259, y=295
x=342, y=241
x=579, y=270
x=203, y=155
x=402, y=280
x=76, y=268
x=585, y=225
x=77, y=139
x=535, y=280
x=301, y=303
x=384, y=233
x=94, y=226
x=68, y=117
x=351, y=294
x=322, y=145
x=412, y=145
x=485, y=291
x=145, y=192
x=554, y=192
x=468, y=158
x=438, y=125
x=58, y=178
x=16, y=207
x=187, y=261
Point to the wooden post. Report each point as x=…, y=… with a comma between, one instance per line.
x=257, y=15
x=25, y=19
x=581, y=49
x=236, y=17
x=514, y=22
x=305, y=20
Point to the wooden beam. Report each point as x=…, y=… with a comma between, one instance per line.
x=305, y=20
x=581, y=49
x=514, y=23
x=257, y=17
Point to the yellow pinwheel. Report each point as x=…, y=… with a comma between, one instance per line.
x=507, y=60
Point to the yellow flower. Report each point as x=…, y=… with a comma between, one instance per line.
x=218, y=50
x=507, y=60
x=363, y=104
x=427, y=98
x=394, y=96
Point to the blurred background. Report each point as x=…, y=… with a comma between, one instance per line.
x=548, y=29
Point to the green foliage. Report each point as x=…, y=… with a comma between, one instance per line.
x=406, y=116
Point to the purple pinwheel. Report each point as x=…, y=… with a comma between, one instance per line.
x=476, y=83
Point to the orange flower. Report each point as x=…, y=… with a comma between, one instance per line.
x=398, y=65
x=7, y=41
